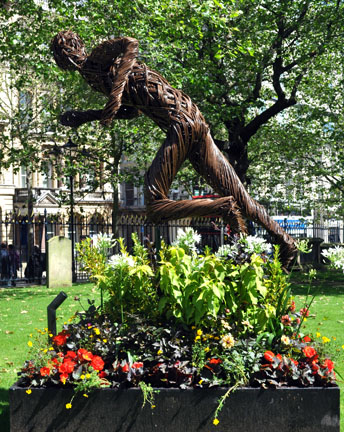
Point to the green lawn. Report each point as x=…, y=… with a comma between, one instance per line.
x=23, y=310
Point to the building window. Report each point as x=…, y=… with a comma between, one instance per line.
x=129, y=194
x=23, y=177
x=48, y=177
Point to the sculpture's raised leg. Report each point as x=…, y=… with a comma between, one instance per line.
x=158, y=180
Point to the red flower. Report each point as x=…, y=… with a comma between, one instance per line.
x=102, y=374
x=71, y=355
x=125, y=368
x=55, y=361
x=137, y=365
x=61, y=338
x=309, y=352
x=215, y=361
x=294, y=361
x=67, y=366
x=304, y=312
x=269, y=356
x=297, y=320
x=84, y=355
x=44, y=371
x=286, y=320
x=328, y=364
x=97, y=363
x=292, y=307
x=63, y=377
x=307, y=339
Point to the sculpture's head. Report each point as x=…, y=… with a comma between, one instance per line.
x=68, y=50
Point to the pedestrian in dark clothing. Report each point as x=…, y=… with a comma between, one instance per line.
x=4, y=264
x=34, y=268
x=14, y=263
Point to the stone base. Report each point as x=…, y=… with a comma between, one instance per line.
x=246, y=410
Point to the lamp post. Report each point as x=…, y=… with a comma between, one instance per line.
x=69, y=146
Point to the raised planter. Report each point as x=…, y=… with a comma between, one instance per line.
x=246, y=410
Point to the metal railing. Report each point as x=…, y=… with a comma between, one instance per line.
x=32, y=269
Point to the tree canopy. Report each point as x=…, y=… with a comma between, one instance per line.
x=252, y=66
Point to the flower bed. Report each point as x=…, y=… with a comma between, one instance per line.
x=183, y=321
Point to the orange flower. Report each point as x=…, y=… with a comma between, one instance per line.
x=269, y=356
x=84, y=355
x=309, y=352
x=328, y=364
x=44, y=371
x=97, y=363
x=307, y=339
x=61, y=338
x=215, y=361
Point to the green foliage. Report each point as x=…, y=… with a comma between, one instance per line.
x=199, y=289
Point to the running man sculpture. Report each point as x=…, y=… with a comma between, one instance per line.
x=132, y=88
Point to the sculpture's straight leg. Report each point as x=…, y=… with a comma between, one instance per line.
x=209, y=162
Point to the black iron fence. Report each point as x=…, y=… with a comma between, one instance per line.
x=21, y=264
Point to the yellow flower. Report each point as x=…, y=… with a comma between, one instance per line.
x=197, y=338
x=153, y=406
x=326, y=339
x=193, y=328
x=82, y=376
x=30, y=344
x=334, y=338
x=200, y=382
x=206, y=349
x=85, y=395
x=68, y=405
x=30, y=334
x=51, y=335
x=96, y=331
x=159, y=352
x=51, y=349
x=343, y=346
x=199, y=332
x=29, y=391
x=88, y=376
x=45, y=350
x=317, y=334
x=216, y=422
x=104, y=340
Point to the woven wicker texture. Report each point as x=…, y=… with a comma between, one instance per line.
x=133, y=88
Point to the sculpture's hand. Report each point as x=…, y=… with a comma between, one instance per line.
x=75, y=118
x=71, y=118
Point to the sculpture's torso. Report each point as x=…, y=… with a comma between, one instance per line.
x=149, y=92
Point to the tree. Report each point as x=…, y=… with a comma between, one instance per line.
x=245, y=63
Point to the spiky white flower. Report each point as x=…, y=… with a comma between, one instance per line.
x=255, y=244
x=121, y=261
x=230, y=251
x=336, y=256
x=187, y=239
x=103, y=242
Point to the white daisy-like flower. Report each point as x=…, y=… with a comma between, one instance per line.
x=227, y=341
x=336, y=256
x=285, y=340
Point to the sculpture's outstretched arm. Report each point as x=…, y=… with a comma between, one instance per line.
x=129, y=48
x=75, y=118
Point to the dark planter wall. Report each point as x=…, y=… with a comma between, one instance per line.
x=246, y=410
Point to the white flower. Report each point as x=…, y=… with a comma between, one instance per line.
x=285, y=340
x=120, y=261
x=336, y=256
x=227, y=341
x=103, y=242
x=254, y=244
x=187, y=239
x=230, y=251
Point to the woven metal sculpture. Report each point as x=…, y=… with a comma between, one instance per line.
x=133, y=88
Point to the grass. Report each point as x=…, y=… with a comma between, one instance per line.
x=23, y=310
